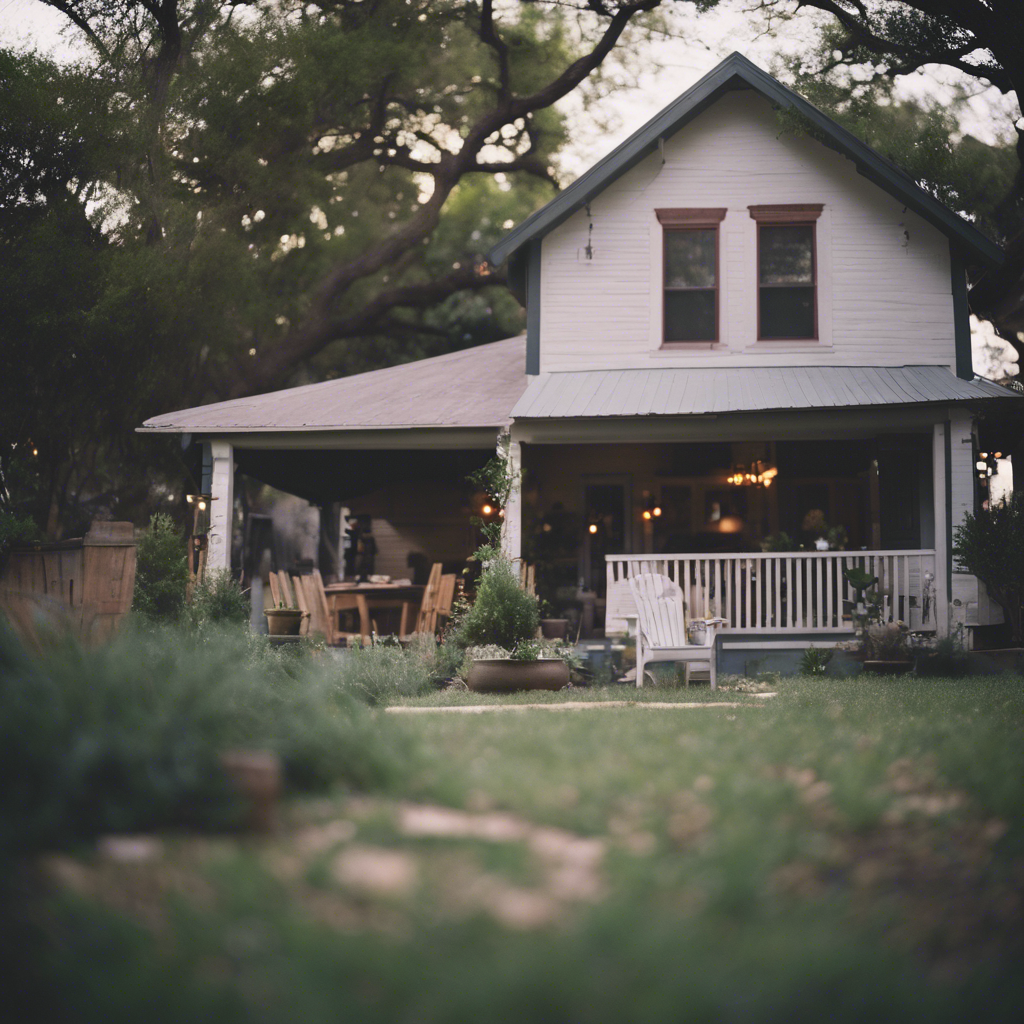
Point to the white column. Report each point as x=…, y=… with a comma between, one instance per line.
x=942, y=528
x=222, y=507
x=512, y=524
x=964, y=608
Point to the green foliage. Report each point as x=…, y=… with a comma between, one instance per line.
x=16, y=530
x=814, y=661
x=380, y=674
x=218, y=601
x=923, y=137
x=858, y=578
x=989, y=543
x=780, y=541
x=503, y=612
x=126, y=737
x=161, y=571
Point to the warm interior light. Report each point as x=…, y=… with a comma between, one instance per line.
x=997, y=455
x=202, y=506
x=592, y=527
x=982, y=455
x=188, y=498
x=487, y=510
x=656, y=511
x=981, y=464
x=647, y=515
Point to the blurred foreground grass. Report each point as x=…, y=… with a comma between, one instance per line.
x=847, y=850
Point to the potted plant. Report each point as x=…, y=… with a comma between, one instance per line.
x=552, y=628
x=284, y=621
x=499, y=633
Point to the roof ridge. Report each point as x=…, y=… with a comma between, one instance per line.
x=872, y=165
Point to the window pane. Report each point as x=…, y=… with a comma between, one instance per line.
x=690, y=259
x=787, y=312
x=690, y=316
x=787, y=254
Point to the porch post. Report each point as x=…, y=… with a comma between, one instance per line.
x=222, y=507
x=512, y=524
x=940, y=491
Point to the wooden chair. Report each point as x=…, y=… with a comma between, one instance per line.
x=661, y=630
x=426, y=620
x=324, y=615
x=445, y=597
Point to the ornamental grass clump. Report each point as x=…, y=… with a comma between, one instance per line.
x=503, y=613
x=128, y=737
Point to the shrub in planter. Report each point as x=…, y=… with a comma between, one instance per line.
x=503, y=612
x=989, y=544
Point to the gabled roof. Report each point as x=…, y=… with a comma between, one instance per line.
x=475, y=387
x=736, y=72
x=672, y=391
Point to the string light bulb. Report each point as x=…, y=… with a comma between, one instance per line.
x=592, y=528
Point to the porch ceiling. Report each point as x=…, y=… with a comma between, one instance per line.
x=709, y=391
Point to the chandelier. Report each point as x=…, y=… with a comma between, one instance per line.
x=757, y=474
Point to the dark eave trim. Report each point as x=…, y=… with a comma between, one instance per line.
x=736, y=72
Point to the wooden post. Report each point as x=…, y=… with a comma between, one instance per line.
x=512, y=524
x=942, y=528
x=222, y=510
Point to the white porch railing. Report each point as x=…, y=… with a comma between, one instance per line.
x=781, y=592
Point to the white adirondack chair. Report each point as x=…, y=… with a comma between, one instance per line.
x=661, y=630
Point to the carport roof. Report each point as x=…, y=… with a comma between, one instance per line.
x=475, y=387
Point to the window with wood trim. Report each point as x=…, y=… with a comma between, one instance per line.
x=691, y=274
x=787, y=282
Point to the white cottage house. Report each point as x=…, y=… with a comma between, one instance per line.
x=747, y=363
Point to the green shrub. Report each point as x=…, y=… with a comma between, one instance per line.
x=990, y=545
x=379, y=674
x=814, y=661
x=16, y=530
x=161, y=571
x=218, y=600
x=127, y=737
x=503, y=612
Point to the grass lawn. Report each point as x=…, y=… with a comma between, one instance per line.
x=846, y=850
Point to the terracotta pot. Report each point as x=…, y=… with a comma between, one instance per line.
x=554, y=629
x=284, y=621
x=506, y=676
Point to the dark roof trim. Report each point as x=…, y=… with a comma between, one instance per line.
x=736, y=72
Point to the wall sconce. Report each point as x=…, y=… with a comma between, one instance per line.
x=487, y=510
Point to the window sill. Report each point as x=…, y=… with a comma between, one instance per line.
x=688, y=346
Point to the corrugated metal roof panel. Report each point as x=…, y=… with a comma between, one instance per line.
x=692, y=392
x=476, y=387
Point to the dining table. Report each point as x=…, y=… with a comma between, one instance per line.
x=401, y=595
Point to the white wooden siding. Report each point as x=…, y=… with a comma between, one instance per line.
x=880, y=302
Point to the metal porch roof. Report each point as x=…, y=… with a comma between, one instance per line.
x=703, y=391
x=475, y=387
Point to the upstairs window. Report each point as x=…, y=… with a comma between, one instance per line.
x=787, y=286
x=691, y=274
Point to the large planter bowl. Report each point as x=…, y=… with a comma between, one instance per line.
x=505, y=676
x=284, y=621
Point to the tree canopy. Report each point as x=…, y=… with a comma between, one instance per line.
x=224, y=199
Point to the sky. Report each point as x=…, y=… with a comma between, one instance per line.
x=665, y=68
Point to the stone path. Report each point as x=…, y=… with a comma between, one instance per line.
x=572, y=705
